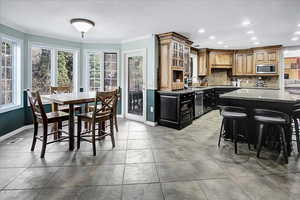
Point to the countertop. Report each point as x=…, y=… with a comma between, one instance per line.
x=194, y=89
x=262, y=95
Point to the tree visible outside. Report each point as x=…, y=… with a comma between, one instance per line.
x=65, y=68
x=41, y=69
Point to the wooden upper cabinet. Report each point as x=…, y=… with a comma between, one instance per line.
x=239, y=64
x=223, y=59
x=250, y=69
x=243, y=64
x=202, y=63
x=272, y=56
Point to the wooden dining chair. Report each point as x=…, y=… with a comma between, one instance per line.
x=40, y=116
x=115, y=108
x=99, y=115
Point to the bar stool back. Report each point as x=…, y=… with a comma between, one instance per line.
x=235, y=114
x=278, y=119
x=296, y=118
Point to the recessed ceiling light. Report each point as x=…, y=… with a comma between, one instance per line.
x=220, y=42
x=297, y=33
x=256, y=43
x=298, y=25
x=226, y=46
x=212, y=37
x=246, y=22
x=201, y=30
x=254, y=38
x=294, y=38
x=250, y=32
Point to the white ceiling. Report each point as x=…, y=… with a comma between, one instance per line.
x=274, y=21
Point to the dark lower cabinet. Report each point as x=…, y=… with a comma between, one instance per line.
x=176, y=110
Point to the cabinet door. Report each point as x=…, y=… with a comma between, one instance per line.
x=202, y=67
x=239, y=63
x=249, y=64
x=272, y=57
x=260, y=57
x=223, y=59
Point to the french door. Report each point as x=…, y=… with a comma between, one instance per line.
x=135, y=85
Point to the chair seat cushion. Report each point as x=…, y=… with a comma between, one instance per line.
x=228, y=114
x=270, y=120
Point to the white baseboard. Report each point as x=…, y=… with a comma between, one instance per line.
x=15, y=132
x=151, y=123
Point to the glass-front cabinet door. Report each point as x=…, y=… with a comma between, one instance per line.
x=135, y=90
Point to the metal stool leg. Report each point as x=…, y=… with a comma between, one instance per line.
x=260, y=137
x=221, y=132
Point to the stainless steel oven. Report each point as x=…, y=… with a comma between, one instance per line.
x=266, y=69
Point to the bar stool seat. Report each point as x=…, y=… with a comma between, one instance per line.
x=278, y=119
x=235, y=114
x=270, y=120
x=228, y=114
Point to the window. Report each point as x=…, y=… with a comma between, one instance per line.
x=95, y=72
x=64, y=68
x=41, y=70
x=9, y=71
x=102, y=71
x=52, y=67
x=110, y=71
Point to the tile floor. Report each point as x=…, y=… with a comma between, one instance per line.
x=148, y=163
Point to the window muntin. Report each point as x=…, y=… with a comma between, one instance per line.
x=7, y=73
x=110, y=71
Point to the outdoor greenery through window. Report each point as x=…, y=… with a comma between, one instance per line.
x=45, y=73
x=6, y=79
x=65, y=68
x=41, y=69
x=110, y=71
x=95, y=72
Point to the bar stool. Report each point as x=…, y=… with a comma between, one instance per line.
x=296, y=118
x=280, y=120
x=234, y=114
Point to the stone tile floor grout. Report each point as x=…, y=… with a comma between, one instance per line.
x=160, y=163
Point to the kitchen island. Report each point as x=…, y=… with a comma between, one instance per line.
x=259, y=99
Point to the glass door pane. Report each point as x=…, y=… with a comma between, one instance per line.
x=110, y=71
x=135, y=85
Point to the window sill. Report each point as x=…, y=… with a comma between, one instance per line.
x=8, y=108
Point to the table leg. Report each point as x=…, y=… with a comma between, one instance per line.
x=71, y=127
x=86, y=110
x=55, y=125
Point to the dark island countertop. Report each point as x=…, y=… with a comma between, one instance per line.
x=262, y=95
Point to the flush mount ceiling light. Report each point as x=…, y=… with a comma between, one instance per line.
x=212, y=37
x=256, y=43
x=294, y=38
x=201, y=30
x=226, y=46
x=82, y=25
x=220, y=42
x=253, y=38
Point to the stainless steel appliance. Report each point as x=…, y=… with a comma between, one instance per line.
x=198, y=104
x=266, y=69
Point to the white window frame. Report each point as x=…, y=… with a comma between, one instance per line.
x=16, y=73
x=54, y=68
x=86, y=71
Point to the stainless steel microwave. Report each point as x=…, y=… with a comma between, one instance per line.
x=265, y=69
